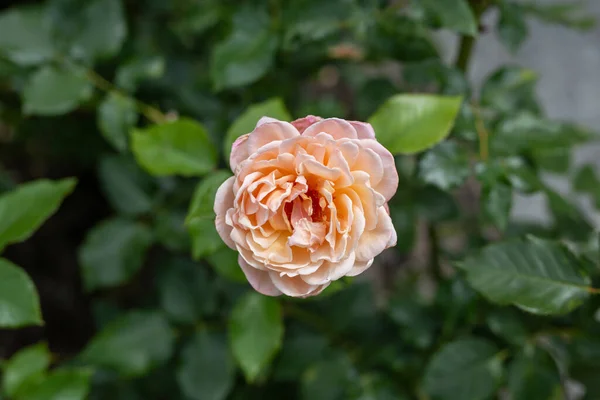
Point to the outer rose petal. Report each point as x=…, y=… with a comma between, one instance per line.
x=224, y=201
x=337, y=128
x=389, y=183
x=239, y=152
x=302, y=123
x=373, y=242
x=364, y=130
x=269, y=132
x=260, y=280
x=360, y=267
x=295, y=286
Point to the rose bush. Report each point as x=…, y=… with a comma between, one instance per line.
x=307, y=203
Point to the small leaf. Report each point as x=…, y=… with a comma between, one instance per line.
x=463, y=369
x=113, y=252
x=60, y=384
x=537, y=276
x=180, y=147
x=225, y=263
x=533, y=376
x=25, y=36
x=19, y=301
x=510, y=89
x=116, y=116
x=200, y=220
x=512, y=27
x=132, y=73
x=186, y=292
x=246, y=122
x=410, y=123
x=132, y=344
x=586, y=181
x=445, y=166
x=55, y=91
x=497, y=203
x=127, y=188
x=27, y=364
x=255, y=333
x=206, y=371
x=24, y=209
x=247, y=53
x=454, y=14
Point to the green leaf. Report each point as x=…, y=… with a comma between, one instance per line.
x=586, y=181
x=27, y=364
x=510, y=89
x=206, y=371
x=299, y=351
x=568, y=219
x=112, y=252
x=247, y=53
x=538, y=276
x=497, y=203
x=24, y=209
x=132, y=344
x=255, y=333
x=455, y=15
x=180, y=147
x=127, y=188
x=55, y=91
x=445, y=166
x=186, y=292
x=19, y=301
x=533, y=375
x=99, y=38
x=507, y=324
x=61, y=384
x=328, y=379
x=170, y=230
x=200, y=220
x=512, y=27
x=463, y=369
x=571, y=14
x=132, y=73
x=225, y=263
x=557, y=160
x=25, y=36
x=246, y=122
x=116, y=116
x=410, y=123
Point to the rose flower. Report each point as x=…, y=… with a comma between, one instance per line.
x=307, y=203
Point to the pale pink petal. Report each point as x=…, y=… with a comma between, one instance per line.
x=373, y=242
x=330, y=271
x=337, y=128
x=302, y=123
x=270, y=132
x=265, y=120
x=360, y=267
x=364, y=130
x=260, y=280
x=294, y=286
x=223, y=202
x=388, y=184
x=239, y=152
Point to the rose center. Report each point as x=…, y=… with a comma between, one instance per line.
x=318, y=204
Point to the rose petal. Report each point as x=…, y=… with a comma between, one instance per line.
x=388, y=184
x=223, y=202
x=360, y=267
x=294, y=286
x=373, y=242
x=239, y=152
x=270, y=132
x=364, y=130
x=260, y=280
x=337, y=128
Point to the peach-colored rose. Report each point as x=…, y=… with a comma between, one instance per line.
x=307, y=203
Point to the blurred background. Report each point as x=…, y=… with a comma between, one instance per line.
x=149, y=302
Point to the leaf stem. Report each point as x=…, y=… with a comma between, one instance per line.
x=482, y=133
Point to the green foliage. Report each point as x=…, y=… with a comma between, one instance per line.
x=142, y=300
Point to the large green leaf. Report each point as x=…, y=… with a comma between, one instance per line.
x=453, y=14
x=445, y=166
x=113, y=252
x=116, y=116
x=247, y=53
x=55, y=91
x=24, y=209
x=132, y=344
x=19, y=302
x=255, y=333
x=463, y=369
x=61, y=384
x=27, y=364
x=128, y=189
x=186, y=291
x=206, y=371
x=25, y=36
x=200, y=220
x=539, y=276
x=246, y=122
x=410, y=123
x=179, y=147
